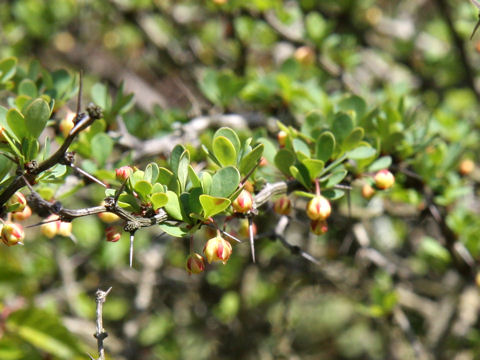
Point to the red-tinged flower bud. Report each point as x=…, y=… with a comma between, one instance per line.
x=195, y=264
x=384, y=179
x=123, y=173
x=282, y=138
x=65, y=229
x=318, y=208
x=367, y=191
x=263, y=162
x=22, y=215
x=466, y=167
x=244, y=231
x=283, y=206
x=319, y=227
x=58, y=227
x=17, y=202
x=217, y=249
x=67, y=123
x=113, y=235
x=12, y=234
x=243, y=203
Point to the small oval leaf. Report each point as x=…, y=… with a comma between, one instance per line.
x=224, y=151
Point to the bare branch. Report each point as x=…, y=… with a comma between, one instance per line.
x=101, y=334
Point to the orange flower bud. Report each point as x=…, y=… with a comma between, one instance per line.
x=263, y=162
x=17, y=202
x=243, y=203
x=283, y=206
x=217, y=249
x=22, y=215
x=282, y=138
x=367, y=191
x=113, y=235
x=466, y=167
x=67, y=123
x=195, y=264
x=12, y=234
x=123, y=173
x=318, y=208
x=384, y=179
x=305, y=55
x=319, y=227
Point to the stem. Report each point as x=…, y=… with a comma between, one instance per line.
x=100, y=334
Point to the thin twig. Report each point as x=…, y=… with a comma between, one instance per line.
x=101, y=334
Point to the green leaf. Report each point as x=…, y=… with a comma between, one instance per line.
x=194, y=179
x=300, y=173
x=230, y=135
x=224, y=151
x=335, y=178
x=173, y=230
x=102, y=146
x=8, y=68
x=362, y=152
x=333, y=194
x=210, y=155
x=165, y=176
x=194, y=200
x=355, y=103
x=173, y=207
x=45, y=332
x=151, y=173
x=314, y=167
x=27, y=87
x=304, y=194
x=250, y=160
x=283, y=160
x=353, y=139
x=213, y=205
x=128, y=202
x=175, y=156
x=182, y=171
x=99, y=94
x=36, y=117
x=30, y=147
x=342, y=126
x=225, y=182
x=16, y=122
x=301, y=146
x=382, y=163
x=143, y=188
x=325, y=146
x=206, y=180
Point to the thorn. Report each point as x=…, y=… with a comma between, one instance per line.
x=132, y=237
x=90, y=356
x=250, y=231
x=41, y=223
x=86, y=174
x=73, y=238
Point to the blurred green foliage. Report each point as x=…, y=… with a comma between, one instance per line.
x=389, y=84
